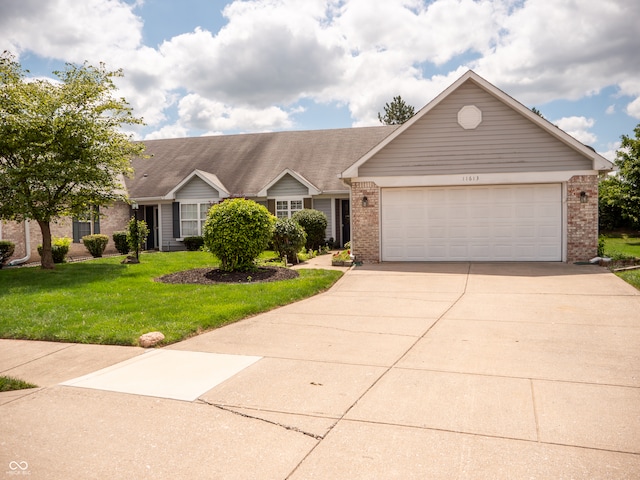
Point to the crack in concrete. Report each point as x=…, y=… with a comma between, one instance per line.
x=282, y=425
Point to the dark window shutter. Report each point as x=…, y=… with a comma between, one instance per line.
x=271, y=206
x=76, y=231
x=96, y=219
x=307, y=203
x=176, y=219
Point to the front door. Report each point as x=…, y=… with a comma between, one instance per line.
x=345, y=219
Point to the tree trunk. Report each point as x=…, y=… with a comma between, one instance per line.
x=46, y=260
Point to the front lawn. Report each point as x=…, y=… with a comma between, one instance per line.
x=103, y=301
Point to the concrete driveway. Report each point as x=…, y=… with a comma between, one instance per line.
x=466, y=371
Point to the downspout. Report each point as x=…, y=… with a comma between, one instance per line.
x=27, y=242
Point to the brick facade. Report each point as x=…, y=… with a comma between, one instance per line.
x=365, y=222
x=582, y=218
x=115, y=218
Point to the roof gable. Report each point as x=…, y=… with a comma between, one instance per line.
x=312, y=189
x=209, y=178
x=576, y=152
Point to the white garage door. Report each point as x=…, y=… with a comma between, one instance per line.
x=482, y=223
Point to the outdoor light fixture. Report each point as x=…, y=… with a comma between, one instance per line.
x=134, y=205
x=583, y=197
x=365, y=201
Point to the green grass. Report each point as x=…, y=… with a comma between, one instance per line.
x=102, y=301
x=8, y=384
x=621, y=246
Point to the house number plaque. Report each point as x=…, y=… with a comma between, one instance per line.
x=471, y=178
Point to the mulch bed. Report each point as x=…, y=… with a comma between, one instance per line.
x=207, y=276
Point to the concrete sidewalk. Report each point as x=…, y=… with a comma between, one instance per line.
x=399, y=371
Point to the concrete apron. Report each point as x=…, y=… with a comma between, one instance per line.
x=399, y=371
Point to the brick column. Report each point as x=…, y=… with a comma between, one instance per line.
x=582, y=218
x=365, y=222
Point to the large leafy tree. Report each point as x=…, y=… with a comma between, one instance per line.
x=62, y=149
x=619, y=202
x=397, y=112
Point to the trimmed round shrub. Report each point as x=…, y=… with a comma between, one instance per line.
x=314, y=223
x=59, y=249
x=121, y=243
x=193, y=244
x=237, y=231
x=6, y=250
x=95, y=244
x=288, y=238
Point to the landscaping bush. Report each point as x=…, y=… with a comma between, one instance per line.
x=121, y=243
x=95, y=244
x=6, y=250
x=314, y=223
x=193, y=244
x=137, y=235
x=237, y=231
x=288, y=238
x=59, y=248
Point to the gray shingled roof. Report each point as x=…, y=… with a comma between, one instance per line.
x=246, y=163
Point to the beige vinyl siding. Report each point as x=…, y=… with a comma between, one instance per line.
x=505, y=141
x=288, y=186
x=197, y=189
x=324, y=205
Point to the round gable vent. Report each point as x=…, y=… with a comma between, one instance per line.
x=469, y=117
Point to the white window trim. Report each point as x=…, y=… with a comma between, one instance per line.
x=193, y=201
x=289, y=199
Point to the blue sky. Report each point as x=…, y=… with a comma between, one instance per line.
x=199, y=67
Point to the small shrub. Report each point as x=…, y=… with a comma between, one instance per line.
x=137, y=235
x=348, y=245
x=121, y=243
x=237, y=231
x=193, y=244
x=601, y=245
x=288, y=238
x=314, y=223
x=95, y=244
x=59, y=248
x=6, y=250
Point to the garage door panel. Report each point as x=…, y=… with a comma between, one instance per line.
x=499, y=223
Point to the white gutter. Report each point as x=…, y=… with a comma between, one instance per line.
x=27, y=242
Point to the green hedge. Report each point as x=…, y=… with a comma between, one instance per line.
x=95, y=244
x=314, y=223
x=6, y=250
x=193, y=244
x=288, y=238
x=59, y=248
x=121, y=242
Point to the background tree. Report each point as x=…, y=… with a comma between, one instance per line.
x=61, y=148
x=619, y=197
x=397, y=112
x=537, y=112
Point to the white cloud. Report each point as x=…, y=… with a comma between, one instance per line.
x=633, y=109
x=565, y=50
x=610, y=154
x=199, y=113
x=611, y=109
x=578, y=128
x=168, y=131
x=270, y=54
